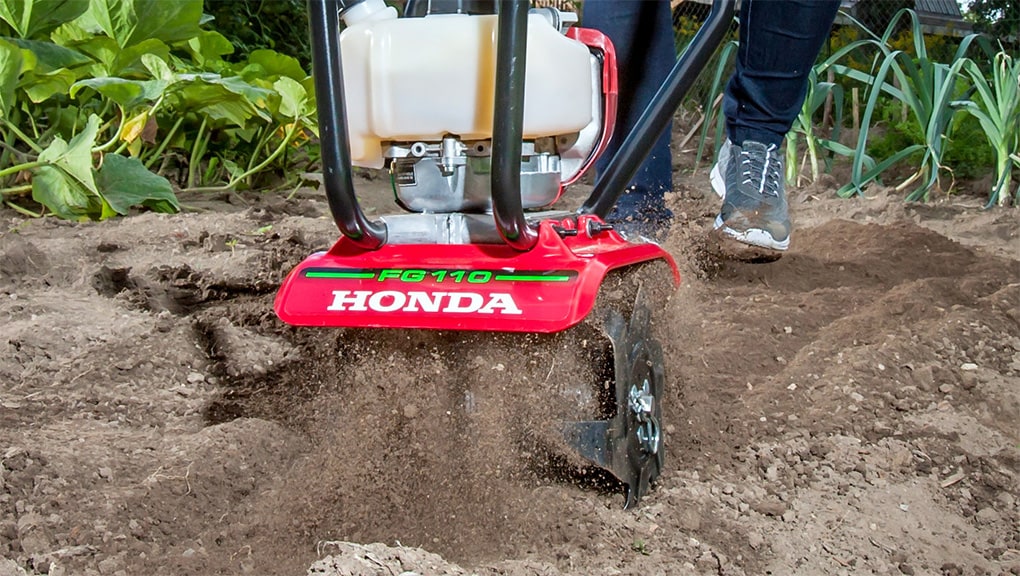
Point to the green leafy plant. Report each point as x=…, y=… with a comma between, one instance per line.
x=968, y=152
x=95, y=93
x=804, y=126
x=996, y=105
x=30, y=19
x=930, y=92
x=640, y=546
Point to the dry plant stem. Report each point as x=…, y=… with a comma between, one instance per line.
x=701, y=120
x=830, y=77
x=855, y=99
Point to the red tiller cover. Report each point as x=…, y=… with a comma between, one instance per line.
x=460, y=286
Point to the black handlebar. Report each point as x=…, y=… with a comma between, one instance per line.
x=508, y=126
x=327, y=69
x=628, y=158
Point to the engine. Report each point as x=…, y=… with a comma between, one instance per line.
x=420, y=95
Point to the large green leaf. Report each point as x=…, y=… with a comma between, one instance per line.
x=62, y=194
x=293, y=97
x=112, y=60
x=74, y=158
x=222, y=99
x=66, y=185
x=42, y=87
x=34, y=18
x=125, y=182
x=132, y=21
x=130, y=60
x=103, y=51
x=272, y=64
x=127, y=93
x=50, y=56
x=209, y=46
x=10, y=69
x=70, y=187
x=158, y=68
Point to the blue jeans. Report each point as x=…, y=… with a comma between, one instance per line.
x=779, y=41
x=642, y=33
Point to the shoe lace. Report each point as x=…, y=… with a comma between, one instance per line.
x=762, y=169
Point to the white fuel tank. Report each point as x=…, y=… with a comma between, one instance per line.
x=419, y=79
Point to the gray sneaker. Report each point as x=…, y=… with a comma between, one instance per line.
x=754, y=209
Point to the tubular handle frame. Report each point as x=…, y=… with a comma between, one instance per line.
x=625, y=164
x=508, y=124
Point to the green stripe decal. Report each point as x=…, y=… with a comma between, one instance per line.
x=340, y=275
x=531, y=278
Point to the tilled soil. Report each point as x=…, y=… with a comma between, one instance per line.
x=852, y=408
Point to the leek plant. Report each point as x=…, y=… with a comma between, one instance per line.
x=996, y=105
x=930, y=92
x=804, y=127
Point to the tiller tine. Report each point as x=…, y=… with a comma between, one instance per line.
x=629, y=443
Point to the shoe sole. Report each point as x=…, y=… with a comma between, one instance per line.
x=724, y=247
x=752, y=236
x=752, y=246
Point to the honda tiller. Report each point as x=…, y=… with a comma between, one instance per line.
x=482, y=119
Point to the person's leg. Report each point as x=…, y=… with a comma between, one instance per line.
x=642, y=33
x=779, y=42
